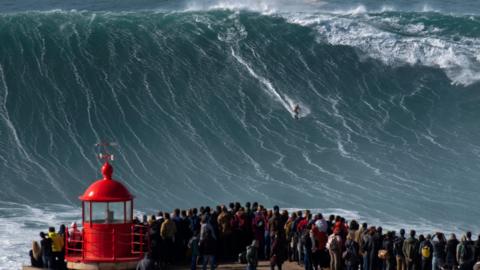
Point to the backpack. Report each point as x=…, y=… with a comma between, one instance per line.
x=464, y=252
x=426, y=252
x=334, y=245
x=305, y=237
x=350, y=254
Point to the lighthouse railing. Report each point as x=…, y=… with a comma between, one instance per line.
x=140, y=239
x=137, y=239
x=74, y=246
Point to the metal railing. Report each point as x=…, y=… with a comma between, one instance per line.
x=73, y=247
x=139, y=242
x=139, y=245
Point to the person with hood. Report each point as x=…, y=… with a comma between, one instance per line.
x=252, y=255
x=439, y=247
x=36, y=255
x=451, y=252
x=426, y=253
x=410, y=248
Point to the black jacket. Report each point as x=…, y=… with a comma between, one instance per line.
x=46, y=245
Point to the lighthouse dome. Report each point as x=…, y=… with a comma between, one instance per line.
x=106, y=189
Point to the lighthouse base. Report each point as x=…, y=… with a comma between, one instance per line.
x=102, y=266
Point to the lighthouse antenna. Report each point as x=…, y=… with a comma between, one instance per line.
x=103, y=149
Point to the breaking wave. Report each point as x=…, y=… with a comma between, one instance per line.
x=200, y=102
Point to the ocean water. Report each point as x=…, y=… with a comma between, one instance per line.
x=199, y=96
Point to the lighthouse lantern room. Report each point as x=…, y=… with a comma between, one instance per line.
x=108, y=238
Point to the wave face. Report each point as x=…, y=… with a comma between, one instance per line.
x=200, y=103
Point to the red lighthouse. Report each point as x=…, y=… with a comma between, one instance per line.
x=108, y=239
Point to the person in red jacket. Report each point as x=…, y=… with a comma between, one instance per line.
x=320, y=256
x=258, y=227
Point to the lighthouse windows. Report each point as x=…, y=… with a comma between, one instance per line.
x=128, y=210
x=99, y=212
x=86, y=212
x=117, y=212
x=107, y=212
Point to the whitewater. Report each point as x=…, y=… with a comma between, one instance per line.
x=199, y=97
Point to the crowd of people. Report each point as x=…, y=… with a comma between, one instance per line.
x=50, y=252
x=251, y=233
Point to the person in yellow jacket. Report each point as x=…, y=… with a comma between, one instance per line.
x=57, y=246
x=167, y=232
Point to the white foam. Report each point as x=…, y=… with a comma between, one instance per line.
x=20, y=224
x=413, y=44
x=417, y=45
x=261, y=6
x=360, y=9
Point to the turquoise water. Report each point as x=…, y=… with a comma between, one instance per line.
x=199, y=97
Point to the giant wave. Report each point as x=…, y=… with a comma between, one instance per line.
x=200, y=103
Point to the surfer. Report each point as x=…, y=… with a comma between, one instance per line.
x=296, y=111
